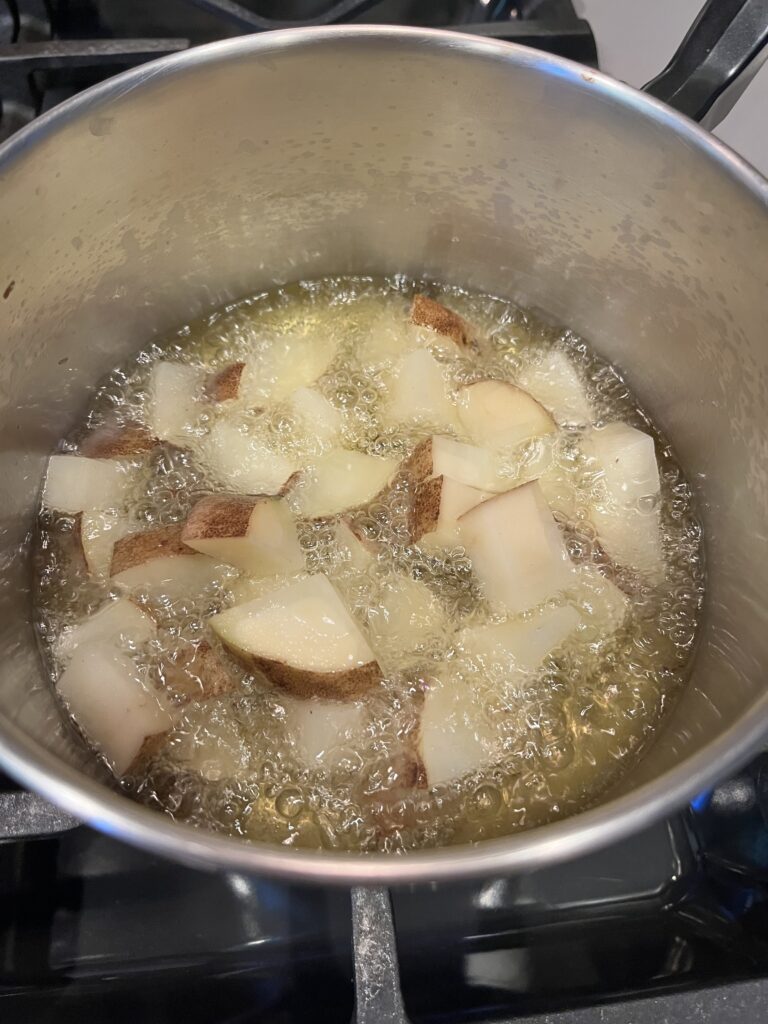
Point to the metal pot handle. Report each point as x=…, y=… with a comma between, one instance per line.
x=716, y=61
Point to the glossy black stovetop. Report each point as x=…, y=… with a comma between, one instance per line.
x=92, y=930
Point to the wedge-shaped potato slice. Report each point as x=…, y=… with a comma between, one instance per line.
x=426, y=312
x=75, y=484
x=526, y=642
x=240, y=457
x=355, y=550
x=516, y=549
x=158, y=559
x=255, y=534
x=303, y=639
x=116, y=622
x=464, y=463
x=339, y=481
x=627, y=519
x=455, y=736
x=118, y=441
x=438, y=504
x=318, y=419
x=287, y=363
x=406, y=614
x=111, y=702
x=175, y=392
x=321, y=732
x=224, y=384
x=419, y=393
x=496, y=414
x=555, y=382
x=98, y=533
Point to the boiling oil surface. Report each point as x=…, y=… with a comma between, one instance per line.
x=569, y=731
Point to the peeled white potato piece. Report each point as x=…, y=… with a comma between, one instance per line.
x=356, y=553
x=302, y=638
x=603, y=605
x=406, y=613
x=516, y=549
x=438, y=504
x=527, y=642
x=318, y=419
x=98, y=533
x=341, y=480
x=255, y=534
x=209, y=741
x=455, y=736
x=288, y=362
x=75, y=484
x=175, y=390
x=464, y=463
x=242, y=459
x=105, y=693
x=496, y=414
x=319, y=731
x=627, y=520
x=116, y=621
x=555, y=382
x=419, y=393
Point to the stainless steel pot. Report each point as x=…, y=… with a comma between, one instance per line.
x=198, y=178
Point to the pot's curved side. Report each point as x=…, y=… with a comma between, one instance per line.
x=201, y=177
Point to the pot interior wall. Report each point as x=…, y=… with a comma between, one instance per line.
x=183, y=190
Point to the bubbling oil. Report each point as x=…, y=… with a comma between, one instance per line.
x=568, y=731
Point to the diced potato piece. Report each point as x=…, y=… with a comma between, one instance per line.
x=318, y=419
x=175, y=390
x=98, y=533
x=320, y=732
x=388, y=340
x=117, y=621
x=210, y=741
x=426, y=312
x=406, y=613
x=496, y=414
x=287, y=363
x=455, y=736
x=118, y=441
x=75, y=484
x=302, y=638
x=355, y=552
x=256, y=534
x=516, y=549
x=339, y=481
x=604, y=606
x=225, y=385
x=628, y=519
x=419, y=393
x=527, y=642
x=438, y=504
x=158, y=559
x=242, y=459
x=464, y=463
x=110, y=701
x=555, y=382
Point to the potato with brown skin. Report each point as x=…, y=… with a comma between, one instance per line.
x=254, y=533
x=138, y=548
x=204, y=676
x=224, y=385
x=425, y=312
x=118, y=441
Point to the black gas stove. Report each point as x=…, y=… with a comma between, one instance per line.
x=93, y=930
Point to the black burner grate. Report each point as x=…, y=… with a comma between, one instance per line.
x=52, y=50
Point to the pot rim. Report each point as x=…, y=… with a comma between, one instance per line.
x=89, y=800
